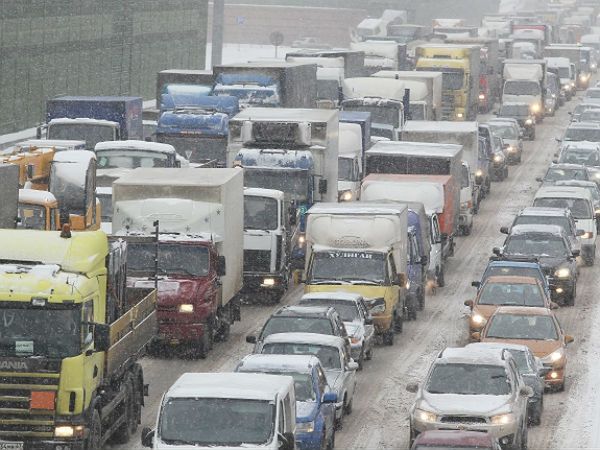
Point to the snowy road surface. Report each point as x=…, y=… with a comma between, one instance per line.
x=380, y=416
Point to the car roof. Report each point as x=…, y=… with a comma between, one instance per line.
x=511, y=263
x=337, y=295
x=461, y=355
x=303, y=311
x=499, y=345
x=281, y=363
x=524, y=310
x=305, y=338
x=584, y=125
x=537, y=229
x=576, y=183
x=566, y=166
x=563, y=192
x=580, y=144
x=511, y=279
x=456, y=438
x=544, y=211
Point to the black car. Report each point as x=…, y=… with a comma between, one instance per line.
x=523, y=115
x=551, y=246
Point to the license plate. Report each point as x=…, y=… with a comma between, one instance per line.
x=11, y=445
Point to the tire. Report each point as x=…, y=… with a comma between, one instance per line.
x=421, y=300
x=441, y=282
x=398, y=324
x=505, y=175
x=571, y=300
x=126, y=430
x=466, y=231
x=331, y=442
x=369, y=355
x=524, y=438
x=206, y=343
x=94, y=440
x=537, y=414
x=348, y=407
x=361, y=359
x=388, y=337
x=324, y=442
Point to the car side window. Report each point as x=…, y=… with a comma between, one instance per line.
x=281, y=418
x=322, y=380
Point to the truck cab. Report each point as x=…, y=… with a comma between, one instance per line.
x=350, y=162
x=38, y=210
x=266, y=243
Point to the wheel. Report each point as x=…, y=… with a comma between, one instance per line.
x=571, y=300
x=348, y=407
x=441, y=282
x=466, y=230
x=206, y=343
x=505, y=175
x=369, y=355
x=398, y=324
x=537, y=414
x=421, y=300
x=126, y=430
x=94, y=440
x=331, y=442
x=324, y=442
x=361, y=359
x=388, y=337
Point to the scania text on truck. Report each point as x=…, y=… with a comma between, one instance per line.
x=73, y=334
x=200, y=248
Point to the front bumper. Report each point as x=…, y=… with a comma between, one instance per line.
x=255, y=281
x=504, y=433
x=562, y=289
x=309, y=441
x=50, y=445
x=556, y=377
x=176, y=332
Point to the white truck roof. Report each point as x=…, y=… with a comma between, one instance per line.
x=430, y=193
x=247, y=386
x=557, y=61
x=415, y=148
x=532, y=72
x=36, y=197
x=182, y=177
x=135, y=145
x=361, y=87
x=286, y=114
x=384, y=49
x=320, y=61
x=260, y=192
x=441, y=126
x=357, y=208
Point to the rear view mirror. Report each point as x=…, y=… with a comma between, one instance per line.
x=476, y=336
x=330, y=397
x=222, y=266
x=539, y=179
x=569, y=339
x=251, y=339
x=496, y=251
x=147, y=437
x=292, y=214
x=526, y=391
x=476, y=284
x=469, y=303
x=30, y=171
x=101, y=337
x=576, y=253
x=352, y=366
x=412, y=387
x=504, y=230
x=554, y=305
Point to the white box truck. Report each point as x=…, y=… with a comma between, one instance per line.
x=524, y=81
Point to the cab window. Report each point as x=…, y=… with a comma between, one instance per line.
x=87, y=320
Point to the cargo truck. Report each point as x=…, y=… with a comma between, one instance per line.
x=565, y=71
x=364, y=120
x=382, y=55
x=384, y=98
x=349, y=162
x=266, y=244
x=93, y=119
x=182, y=83
x=579, y=56
x=425, y=92
x=524, y=81
x=9, y=195
x=73, y=334
x=200, y=248
x=459, y=65
x=268, y=84
x=361, y=248
x=291, y=150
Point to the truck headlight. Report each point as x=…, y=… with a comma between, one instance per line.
x=511, y=149
x=69, y=431
x=301, y=240
x=497, y=158
x=567, y=87
x=481, y=96
x=459, y=115
x=587, y=235
x=305, y=427
x=562, y=273
x=529, y=122
x=346, y=196
x=425, y=416
x=268, y=282
x=503, y=419
x=186, y=308
x=479, y=173
x=478, y=319
x=572, y=84
x=535, y=108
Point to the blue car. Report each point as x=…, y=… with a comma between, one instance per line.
x=315, y=401
x=518, y=267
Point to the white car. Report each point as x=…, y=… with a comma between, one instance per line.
x=340, y=368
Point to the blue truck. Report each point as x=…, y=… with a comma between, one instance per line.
x=197, y=126
x=182, y=83
x=93, y=119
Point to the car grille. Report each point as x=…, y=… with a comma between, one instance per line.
x=257, y=260
x=463, y=419
x=17, y=420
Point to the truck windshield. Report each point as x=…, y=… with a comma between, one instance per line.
x=521, y=87
x=219, y=422
x=389, y=115
x=196, y=149
x=260, y=213
x=48, y=332
x=400, y=164
x=294, y=182
x=452, y=80
x=564, y=72
x=329, y=356
x=91, y=134
x=173, y=259
x=346, y=169
x=32, y=217
x=339, y=267
x=112, y=159
x=251, y=95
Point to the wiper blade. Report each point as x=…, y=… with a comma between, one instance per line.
x=324, y=281
x=361, y=281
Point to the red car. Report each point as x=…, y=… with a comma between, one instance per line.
x=453, y=439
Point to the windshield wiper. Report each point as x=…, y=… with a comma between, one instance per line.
x=324, y=281
x=362, y=281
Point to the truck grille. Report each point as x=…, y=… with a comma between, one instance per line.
x=464, y=419
x=257, y=260
x=448, y=106
x=17, y=420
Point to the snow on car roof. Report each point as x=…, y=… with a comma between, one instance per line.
x=524, y=310
x=584, y=125
x=290, y=310
x=338, y=295
x=135, y=145
x=283, y=363
x=458, y=355
x=415, y=148
x=581, y=144
x=231, y=385
x=498, y=345
x=563, y=192
x=305, y=338
x=286, y=114
x=442, y=125
x=544, y=211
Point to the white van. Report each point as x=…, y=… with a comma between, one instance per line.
x=581, y=203
x=226, y=411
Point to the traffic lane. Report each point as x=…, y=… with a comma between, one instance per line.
x=380, y=417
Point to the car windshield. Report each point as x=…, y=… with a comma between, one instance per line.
x=580, y=208
x=260, y=213
x=468, y=379
x=294, y=182
x=328, y=356
x=173, y=259
x=515, y=326
x=511, y=294
x=505, y=131
x=582, y=134
x=537, y=245
x=348, y=266
x=561, y=221
x=216, y=422
x=520, y=87
x=346, y=169
x=302, y=384
x=299, y=324
x=48, y=332
x=514, y=270
x=91, y=134
x=112, y=159
x=559, y=174
x=347, y=310
x=105, y=206
x=32, y=217
x=522, y=360
x=514, y=111
x=584, y=156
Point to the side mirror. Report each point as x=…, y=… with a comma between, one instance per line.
x=222, y=266
x=526, y=391
x=101, y=337
x=293, y=215
x=30, y=171
x=496, y=251
x=329, y=397
x=576, y=253
x=376, y=306
x=504, y=230
x=476, y=336
x=400, y=280
x=555, y=161
x=476, y=284
x=352, y=365
x=558, y=139
x=147, y=437
x=251, y=339
x=412, y=387
x=539, y=179
x=580, y=233
x=287, y=441
x=322, y=186
x=554, y=305
x=569, y=339
x=469, y=303
x=368, y=321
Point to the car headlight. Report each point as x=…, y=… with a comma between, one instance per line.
x=503, y=419
x=597, y=175
x=582, y=77
x=511, y=149
x=305, y=427
x=186, y=308
x=268, y=282
x=459, y=115
x=554, y=357
x=572, y=84
x=587, y=235
x=478, y=319
x=535, y=107
x=563, y=272
x=497, y=158
x=425, y=416
x=529, y=122
x=346, y=196
x=481, y=96
x=301, y=240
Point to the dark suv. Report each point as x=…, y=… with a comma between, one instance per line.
x=302, y=319
x=523, y=115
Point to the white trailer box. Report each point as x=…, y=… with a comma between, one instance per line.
x=191, y=202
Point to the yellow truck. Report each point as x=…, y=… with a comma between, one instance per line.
x=71, y=333
x=459, y=64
